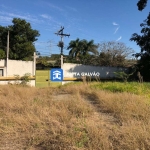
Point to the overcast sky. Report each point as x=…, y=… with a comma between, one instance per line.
x=100, y=20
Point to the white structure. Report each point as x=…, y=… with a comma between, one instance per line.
x=10, y=68
x=78, y=70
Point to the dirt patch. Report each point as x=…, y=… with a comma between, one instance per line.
x=105, y=115
x=100, y=115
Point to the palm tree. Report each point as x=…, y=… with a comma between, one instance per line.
x=75, y=48
x=80, y=49
x=89, y=48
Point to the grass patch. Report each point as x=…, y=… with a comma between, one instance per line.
x=130, y=87
x=86, y=117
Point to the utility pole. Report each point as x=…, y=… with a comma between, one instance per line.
x=61, y=44
x=34, y=63
x=7, y=54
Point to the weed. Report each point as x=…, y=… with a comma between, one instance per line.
x=95, y=116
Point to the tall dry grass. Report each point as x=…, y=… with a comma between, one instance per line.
x=84, y=118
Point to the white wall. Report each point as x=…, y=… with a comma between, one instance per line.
x=78, y=70
x=17, y=67
x=2, y=63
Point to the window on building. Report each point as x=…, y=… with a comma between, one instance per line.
x=1, y=72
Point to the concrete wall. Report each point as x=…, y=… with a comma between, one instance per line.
x=20, y=67
x=17, y=67
x=2, y=63
x=79, y=70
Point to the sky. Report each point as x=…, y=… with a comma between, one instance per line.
x=98, y=20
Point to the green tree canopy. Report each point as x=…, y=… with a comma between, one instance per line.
x=2, y=54
x=22, y=37
x=143, y=40
x=81, y=49
x=141, y=4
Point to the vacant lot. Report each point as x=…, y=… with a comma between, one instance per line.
x=75, y=117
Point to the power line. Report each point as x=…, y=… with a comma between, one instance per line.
x=61, y=44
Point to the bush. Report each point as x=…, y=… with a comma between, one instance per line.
x=24, y=79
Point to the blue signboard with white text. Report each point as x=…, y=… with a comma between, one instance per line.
x=56, y=74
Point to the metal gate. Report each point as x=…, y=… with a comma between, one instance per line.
x=42, y=79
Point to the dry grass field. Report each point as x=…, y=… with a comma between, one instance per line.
x=73, y=117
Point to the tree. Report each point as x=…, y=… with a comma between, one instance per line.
x=88, y=47
x=2, y=54
x=75, y=48
x=22, y=37
x=143, y=40
x=82, y=49
x=114, y=53
x=141, y=4
x=3, y=38
x=104, y=59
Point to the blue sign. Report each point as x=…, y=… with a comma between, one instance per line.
x=56, y=74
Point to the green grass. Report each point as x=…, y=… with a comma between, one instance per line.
x=130, y=87
x=115, y=87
